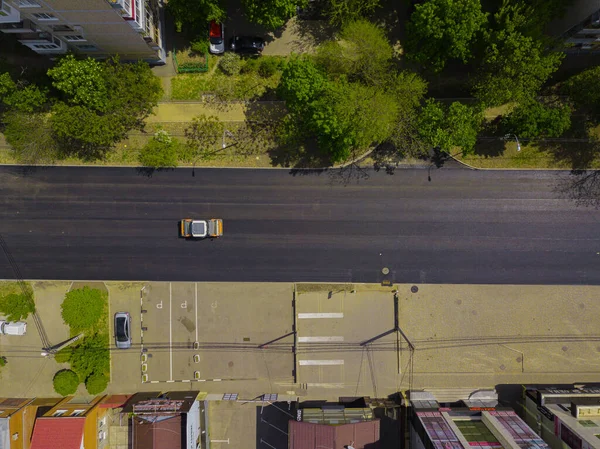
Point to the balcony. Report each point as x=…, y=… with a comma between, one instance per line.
x=42, y=42
x=8, y=14
x=24, y=26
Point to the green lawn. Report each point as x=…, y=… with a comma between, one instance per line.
x=565, y=155
x=248, y=85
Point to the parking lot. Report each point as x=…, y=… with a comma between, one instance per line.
x=331, y=327
x=210, y=332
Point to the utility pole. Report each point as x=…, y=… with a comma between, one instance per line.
x=26, y=290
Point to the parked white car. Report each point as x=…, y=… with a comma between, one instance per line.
x=13, y=328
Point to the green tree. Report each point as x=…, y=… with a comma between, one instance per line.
x=194, y=14
x=515, y=65
x=534, y=120
x=2, y=361
x=96, y=383
x=161, y=151
x=350, y=116
x=584, y=90
x=81, y=131
x=449, y=127
x=83, y=308
x=7, y=85
x=30, y=137
x=362, y=52
x=63, y=356
x=301, y=82
x=440, y=30
x=340, y=12
x=16, y=306
x=82, y=82
x=408, y=89
x=99, y=109
x=21, y=96
x=27, y=99
x=91, y=357
x=202, y=135
x=271, y=14
x=65, y=382
x=134, y=92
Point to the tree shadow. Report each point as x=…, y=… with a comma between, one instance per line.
x=148, y=172
x=580, y=186
x=309, y=34
x=578, y=154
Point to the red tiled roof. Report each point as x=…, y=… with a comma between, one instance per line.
x=305, y=435
x=53, y=433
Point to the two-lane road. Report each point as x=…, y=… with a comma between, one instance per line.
x=463, y=227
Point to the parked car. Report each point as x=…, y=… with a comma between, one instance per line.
x=247, y=44
x=13, y=328
x=216, y=38
x=122, y=330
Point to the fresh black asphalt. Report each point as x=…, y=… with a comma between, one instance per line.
x=463, y=226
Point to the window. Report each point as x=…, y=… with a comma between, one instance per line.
x=5, y=10
x=74, y=38
x=271, y=397
x=230, y=397
x=59, y=413
x=101, y=435
x=44, y=16
x=28, y=4
x=587, y=423
x=87, y=47
x=77, y=413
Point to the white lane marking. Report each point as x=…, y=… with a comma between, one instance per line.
x=170, y=333
x=320, y=315
x=319, y=339
x=325, y=385
x=196, y=309
x=320, y=362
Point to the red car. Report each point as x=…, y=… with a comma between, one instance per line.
x=216, y=37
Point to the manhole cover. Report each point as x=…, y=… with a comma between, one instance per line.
x=414, y=289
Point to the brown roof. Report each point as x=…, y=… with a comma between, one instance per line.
x=305, y=435
x=114, y=401
x=164, y=434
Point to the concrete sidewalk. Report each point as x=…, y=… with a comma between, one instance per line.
x=226, y=112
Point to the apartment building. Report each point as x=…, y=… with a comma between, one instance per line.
x=467, y=424
x=99, y=28
x=565, y=417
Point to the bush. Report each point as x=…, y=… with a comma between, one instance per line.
x=268, y=67
x=96, y=383
x=2, y=361
x=83, y=308
x=230, y=63
x=65, y=382
x=161, y=151
x=16, y=306
x=250, y=65
x=91, y=356
x=200, y=46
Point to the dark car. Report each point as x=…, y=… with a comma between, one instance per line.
x=247, y=44
x=122, y=330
